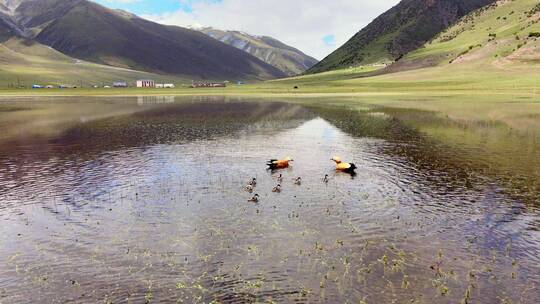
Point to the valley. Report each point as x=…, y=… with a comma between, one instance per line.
x=493, y=50
x=133, y=153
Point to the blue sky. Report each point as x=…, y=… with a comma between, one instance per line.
x=329, y=40
x=144, y=7
x=316, y=27
x=152, y=7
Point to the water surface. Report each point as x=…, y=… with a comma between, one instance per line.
x=141, y=200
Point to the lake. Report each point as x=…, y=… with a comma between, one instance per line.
x=141, y=199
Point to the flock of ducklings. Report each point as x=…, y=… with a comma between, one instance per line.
x=276, y=164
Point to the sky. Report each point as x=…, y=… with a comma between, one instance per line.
x=316, y=27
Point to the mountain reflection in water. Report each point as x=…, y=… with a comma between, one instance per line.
x=142, y=200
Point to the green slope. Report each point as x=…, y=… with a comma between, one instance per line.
x=27, y=63
x=497, y=36
x=490, y=50
x=397, y=32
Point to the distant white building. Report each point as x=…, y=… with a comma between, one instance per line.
x=120, y=84
x=159, y=85
x=145, y=83
x=168, y=86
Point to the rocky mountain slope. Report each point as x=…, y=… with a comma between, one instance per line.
x=287, y=59
x=400, y=30
x=8, y=25
x=504, y=35
x=88, y=31
x=5, y=29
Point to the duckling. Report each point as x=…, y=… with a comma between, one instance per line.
x=298, y=181
x=326, y=179
x=280, y=178
x=254, y=199
x=249, y=188
x=274, y=164
x=343, y=167
x=253, y=182
x=277, y=189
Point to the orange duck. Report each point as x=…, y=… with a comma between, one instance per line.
x=343, y=167
x=274, y=164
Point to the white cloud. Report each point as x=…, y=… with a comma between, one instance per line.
x=299, y=23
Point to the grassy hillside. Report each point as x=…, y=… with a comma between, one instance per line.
x=287, y=59
x=30, y=62
x=492, y=49
x=88, y=31
x=397, y=32
x=502, y=35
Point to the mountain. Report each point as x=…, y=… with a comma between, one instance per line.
x=88, y=31
x=287, y=59
x=8, y=26
x=9, y=5
x=503, y=35
x=400, y=30
x=493, y=50
x=5, y=29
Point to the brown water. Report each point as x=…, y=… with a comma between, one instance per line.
x=141, y=200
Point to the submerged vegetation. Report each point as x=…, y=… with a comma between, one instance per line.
x=141, y=202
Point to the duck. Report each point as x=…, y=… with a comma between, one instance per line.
x=343, y=167
x=254, y=199
x=326, y=179
x=277, y=189
x=298, y=181
x=274, y=164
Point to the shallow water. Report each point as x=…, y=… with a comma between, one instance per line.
x=141, y=200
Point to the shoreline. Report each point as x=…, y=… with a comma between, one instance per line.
x=524, y=95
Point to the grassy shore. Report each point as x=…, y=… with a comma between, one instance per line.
x=381, y=86
x=452, y=80
x=462, y=94
x=489, y=53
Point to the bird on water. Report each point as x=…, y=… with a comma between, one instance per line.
x=251, y=185
x=277, y=189
x=342, y=166
x=274, y=164
x=254, y=199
